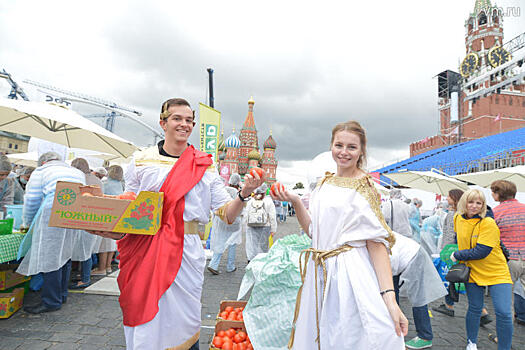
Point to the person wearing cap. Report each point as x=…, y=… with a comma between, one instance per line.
x=226, y=236
x=257, y=237
x=100, y=172
x=161, y=275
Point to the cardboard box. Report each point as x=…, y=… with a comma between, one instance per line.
x=224, y=326
x=9, y=278
x=233, y=303
x=11, y=302
x=73, y=209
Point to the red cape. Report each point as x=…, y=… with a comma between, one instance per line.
x=149, y=264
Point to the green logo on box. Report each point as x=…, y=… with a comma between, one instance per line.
x=66, y=196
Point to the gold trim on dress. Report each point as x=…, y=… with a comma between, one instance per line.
x=191, y=227
x=365, y=188
x=221, y=213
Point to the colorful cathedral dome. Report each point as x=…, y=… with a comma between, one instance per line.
x=254, y=155
x=270, y=142
x=233, y=141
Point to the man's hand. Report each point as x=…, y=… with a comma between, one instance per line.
x=106, y=234
x=251, y=183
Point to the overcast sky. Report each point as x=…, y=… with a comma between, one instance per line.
x=308, y=64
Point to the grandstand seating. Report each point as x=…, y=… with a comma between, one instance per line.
x=490, y=152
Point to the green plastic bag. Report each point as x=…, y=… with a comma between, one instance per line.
x=275, y=279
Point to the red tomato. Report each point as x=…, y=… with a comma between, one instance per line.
x=227, y=345
x=230, y=333
x=276, y=186
x=228, y=309
x=127, y=195
x=221, y=334
x=217, y=342
x=232, y=316
x=242, y=346
x=223, y=315
x=237, y=339
x=242, y=335
x=87, y=194
x=257, y=171
x=235, y=346
x=237, y=309
x=249, y=347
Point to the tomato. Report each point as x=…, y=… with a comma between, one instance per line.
x=235, y=346
x=127, y=195
x=232, y=316
x=223, y=315
x=221, y=334
x=276, y=186
x=226, y=339
x=237, y=309
x=227, y=346
x=87, y=194
x=242, y=346
x=217, y=342
x=237, y=338
x=249, y=347
x=230, y=333
x=257, y=171
x=242, y=335
x=228, y=309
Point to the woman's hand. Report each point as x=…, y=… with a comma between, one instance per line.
x=106, y=234
x=251, y=183
x=400, y=321
x=284, y=196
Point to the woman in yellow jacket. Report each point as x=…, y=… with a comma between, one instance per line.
x=479, y=246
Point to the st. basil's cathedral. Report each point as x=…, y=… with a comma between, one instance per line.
x=240, y=154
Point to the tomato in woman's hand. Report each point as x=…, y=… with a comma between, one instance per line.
x=257, y=171
x=276, y=186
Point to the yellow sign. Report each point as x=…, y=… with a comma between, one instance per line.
x=209, y=126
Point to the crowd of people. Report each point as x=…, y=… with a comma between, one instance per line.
x=365, y=252
x=51, y=252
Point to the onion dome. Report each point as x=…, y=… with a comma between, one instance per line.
x=254, y=155
x=251, y=101
x=270, y=142
x=233, y=141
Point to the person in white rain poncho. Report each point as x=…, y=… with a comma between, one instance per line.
x=261, y=222
x=85, y=243
x=396, y=213
x=51, y=247
x=413, y=270
x=347, y=299
x=226, y=236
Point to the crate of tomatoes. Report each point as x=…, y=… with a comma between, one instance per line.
x=230, y=335
x=231, y=310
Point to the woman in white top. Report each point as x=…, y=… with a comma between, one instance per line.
x=347, y=300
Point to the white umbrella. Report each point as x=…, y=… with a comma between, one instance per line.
x=25, y=159
x=60, y=125
x=485, y=178
x=427, y=181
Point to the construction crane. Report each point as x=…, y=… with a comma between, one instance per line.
x=16, y=90
x=115, y=109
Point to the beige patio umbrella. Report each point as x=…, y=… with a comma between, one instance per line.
x=485, y=178
x=25, y=159
x=60, y=125
x=427, y=181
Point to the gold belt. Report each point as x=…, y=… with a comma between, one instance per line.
x=191, y=227
x=318, y=257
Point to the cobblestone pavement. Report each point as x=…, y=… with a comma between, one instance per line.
x=95, y=322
